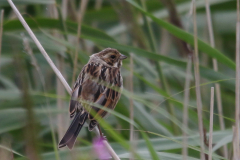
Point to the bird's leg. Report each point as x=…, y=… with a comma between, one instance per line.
x=101, y=134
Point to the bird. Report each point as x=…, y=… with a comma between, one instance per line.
x=94, y=84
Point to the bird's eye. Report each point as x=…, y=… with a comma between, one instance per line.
x=112, y=56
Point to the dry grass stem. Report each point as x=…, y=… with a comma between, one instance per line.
x=237, y=98
x=215, y=67
x=1, y=31
x=211, y=124
x=59, y=75
x=234, y=143
x=131, y=102
x=197, y=82
x=82, y=7
x=185, y=108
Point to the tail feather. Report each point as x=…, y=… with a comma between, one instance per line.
x=72, y=141
x=70, y=136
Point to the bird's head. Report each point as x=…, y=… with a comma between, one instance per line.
x=112, y=57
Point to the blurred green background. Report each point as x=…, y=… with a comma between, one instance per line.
x=34, y=104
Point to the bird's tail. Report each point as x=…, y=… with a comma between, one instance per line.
x=71, y=135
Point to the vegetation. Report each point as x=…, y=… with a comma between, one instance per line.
x=159, y=113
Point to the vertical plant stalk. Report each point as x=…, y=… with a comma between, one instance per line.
x=64, y=8
x=165, y=42
x=30, y=129
x=82, y=8
x=237, y=98
x=185, y=108
x=1, y=31
x=197, y=82
x=234, y=143
x=131, y=100
x=40, y=47
x=215, y=67
x=211, y=124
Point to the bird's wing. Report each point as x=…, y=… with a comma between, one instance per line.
x=76, y=93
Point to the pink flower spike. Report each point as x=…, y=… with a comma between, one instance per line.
x=100, y=149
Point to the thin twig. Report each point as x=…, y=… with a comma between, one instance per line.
x=59, y=75
x=185, y=109
x=82, y=7
x=215, y=67
x=211, y=124
x=237, y=98
x=1, y=30
x=197, y=82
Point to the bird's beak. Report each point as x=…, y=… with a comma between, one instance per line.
x=123, y=57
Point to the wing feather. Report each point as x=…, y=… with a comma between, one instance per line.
x=76, y=93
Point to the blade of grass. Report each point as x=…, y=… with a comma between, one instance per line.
x=13, y=151
x=150, y=147
x=187, y=37
x=106, y=41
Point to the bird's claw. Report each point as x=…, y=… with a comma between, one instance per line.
x=104, y=137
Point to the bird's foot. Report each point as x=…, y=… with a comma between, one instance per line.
x=103, y=137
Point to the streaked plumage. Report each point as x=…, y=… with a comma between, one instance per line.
x=102, y=67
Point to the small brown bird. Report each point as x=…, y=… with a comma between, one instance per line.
x=102, y=67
